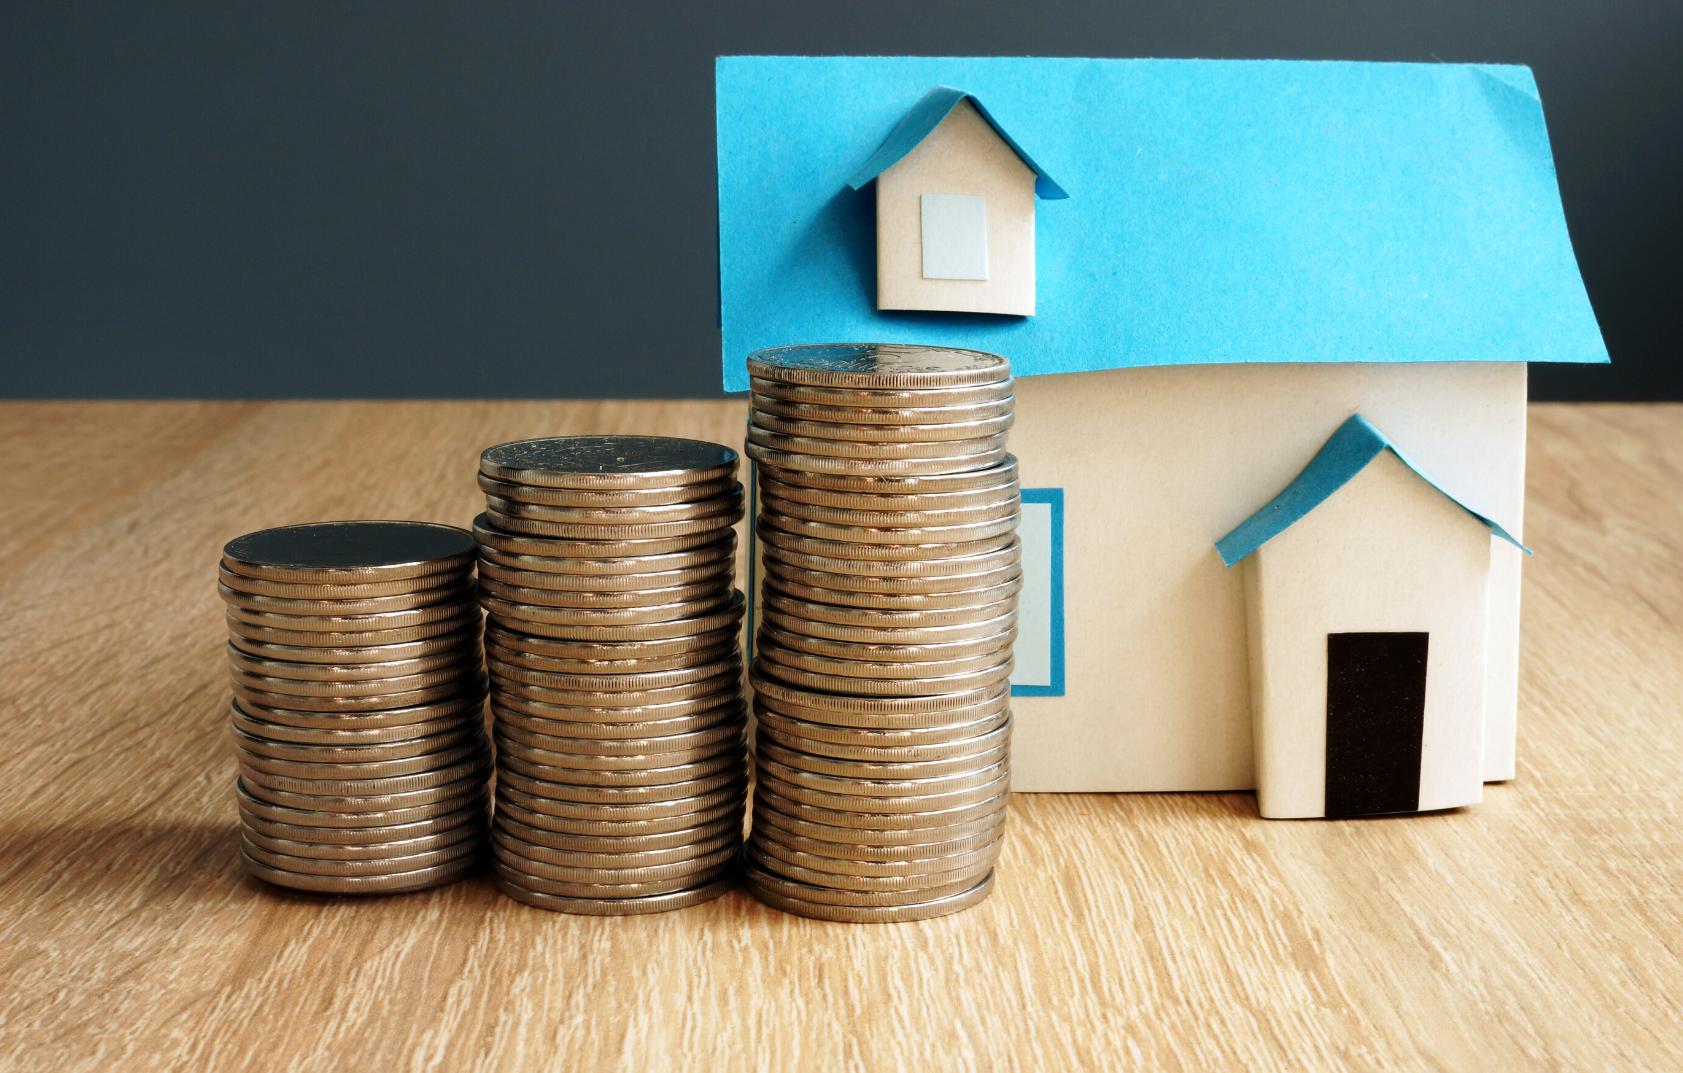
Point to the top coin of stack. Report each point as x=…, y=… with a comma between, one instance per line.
x=357, y=719
x=887, y=530
x=606, y=567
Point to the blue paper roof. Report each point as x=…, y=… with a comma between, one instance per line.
x=1226, y=211
x=1347, y=453
x=924, y=117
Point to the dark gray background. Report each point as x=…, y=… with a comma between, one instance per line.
x=492, y=200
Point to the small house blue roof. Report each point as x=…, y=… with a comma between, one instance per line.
x=1347, y=453
x=1230, y=211
x=924, y=117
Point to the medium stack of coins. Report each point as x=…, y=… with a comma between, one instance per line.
x=358, y=715
x=606, y=566
x=887, y=534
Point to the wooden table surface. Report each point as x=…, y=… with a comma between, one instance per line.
x=1540, y=930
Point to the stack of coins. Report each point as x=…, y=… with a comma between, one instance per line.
x=358, y=714
x=606, y=566
x=887, y=537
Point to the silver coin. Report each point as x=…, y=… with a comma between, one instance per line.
x=881, y=713
x=885, y=552
x=679, y=645
x=619, y=517
x=620, y=769
x=730, y=732
x=871, y=467
x=361, y=654
x=897, y=687
x=472, y=783
x=367, y=851
x=837, y=881
x=872, y=432
x=475, y=813
x=939, y=520
x=727, y=676
x=608, y=462
x=900, y=601
x=771, y=730
x=264, y=782
x=465, y=746
x=854, y=802
x=890, y=586
x=653, y=713
x=467, y=618
x=914, y=829
x=716, y=589
x=610, y=820
x=879, y=502
x=520, y=522
x=609, y=674
x=372, y=605
x=604, y=497
x=656, y=903
x=546, y=580
x=470, y=698
x=530, y=617
x=350, y=672
x=349, y=552
x=473, y=795
x=401, y=882
x=605, y=891
x=870, y=450
x=722, y=550
x=462, y=670
x=842, y=841
x=313, y=591
x=912, y=870
x=539, y=789
x=883, y=785
x=876, y=366
x=673, y=861
x=889, y=636
x=850, y=412
x=461, y=722
x=761, y=882
x=883, y=398
x=940, y=651
x=876, y=618
x=1003, y=472
x=548, y=767
x=916, y=536
x=611, y=737
x=279, y=702
x=901, y=914
x=599, y=547
x=384, y=622
x=818, y=764
x=802, y=659
x=635, y=682
x=863, y=743
x=681, y=841
x=516, y=855
x=315, y=753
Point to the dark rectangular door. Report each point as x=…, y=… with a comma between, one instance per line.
x=1376, y=714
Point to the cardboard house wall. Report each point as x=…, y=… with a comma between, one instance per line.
x=1366, y=595
x=1224, y=287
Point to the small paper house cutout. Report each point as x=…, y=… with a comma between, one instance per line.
x=1366, y=591
x=955, y=210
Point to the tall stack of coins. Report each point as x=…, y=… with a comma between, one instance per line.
x=358, y=714
x=887, y=533
x=606, y=566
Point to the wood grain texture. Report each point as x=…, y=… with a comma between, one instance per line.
x=1539, y=930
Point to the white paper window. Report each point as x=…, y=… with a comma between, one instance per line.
x=955, y=236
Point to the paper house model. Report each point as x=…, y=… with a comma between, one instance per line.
x=1254, y=252
x=1366, y=602
x=955, y=210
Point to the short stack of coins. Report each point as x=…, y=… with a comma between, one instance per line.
x=358, y=713
x=887, y=540
x=606, y=569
